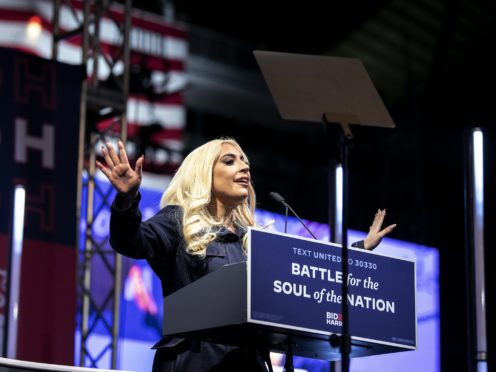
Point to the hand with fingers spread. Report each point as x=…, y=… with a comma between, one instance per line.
x=375, y=234
x=119, y=172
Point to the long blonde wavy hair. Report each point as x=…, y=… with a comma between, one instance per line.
x=191, y=188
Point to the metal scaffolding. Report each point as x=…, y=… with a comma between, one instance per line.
x=100, y=100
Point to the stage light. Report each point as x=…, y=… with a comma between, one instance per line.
x=478, y=243
x=15, y=268
x=478, y=143
x=33, y=29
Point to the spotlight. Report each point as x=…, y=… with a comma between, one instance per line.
x=33, y=29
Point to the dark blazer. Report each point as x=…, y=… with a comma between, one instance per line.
x=159, y=240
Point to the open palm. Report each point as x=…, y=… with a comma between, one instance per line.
x=376, y=233
x=123, y=178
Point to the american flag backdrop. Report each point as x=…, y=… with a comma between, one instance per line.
x=155, y=109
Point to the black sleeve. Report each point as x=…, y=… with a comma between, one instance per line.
x=359, y=244
x=154, y=239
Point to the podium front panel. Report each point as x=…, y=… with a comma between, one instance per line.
x=295, y=283
x=288, y=293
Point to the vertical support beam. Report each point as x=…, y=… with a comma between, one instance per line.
x=126, y=45
x=55, y=28
x=336, y=225
x=94, y=98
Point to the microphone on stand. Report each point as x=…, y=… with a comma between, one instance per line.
x=278, y=198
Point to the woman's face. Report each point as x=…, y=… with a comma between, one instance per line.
x=231, y=178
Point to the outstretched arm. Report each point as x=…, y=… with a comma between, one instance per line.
x=123, y=178
x=375, y=234
x=128, y=234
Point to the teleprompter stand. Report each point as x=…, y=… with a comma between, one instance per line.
x=329, y=90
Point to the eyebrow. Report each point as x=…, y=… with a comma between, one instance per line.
x=230, y=154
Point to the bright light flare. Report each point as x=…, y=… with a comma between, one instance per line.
x=33, y=29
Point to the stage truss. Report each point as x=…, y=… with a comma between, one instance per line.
x=100, y=101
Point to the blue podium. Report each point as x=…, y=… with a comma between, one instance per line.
x=289, y=293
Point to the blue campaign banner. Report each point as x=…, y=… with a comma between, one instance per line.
x=296, y=283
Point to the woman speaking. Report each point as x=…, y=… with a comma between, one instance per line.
x=201, y=227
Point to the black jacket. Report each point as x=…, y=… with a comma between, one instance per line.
x=159, y=240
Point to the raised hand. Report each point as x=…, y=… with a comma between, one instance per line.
x=119, y=172
x=375, y=234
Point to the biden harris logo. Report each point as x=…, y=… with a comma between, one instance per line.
x=335, y=319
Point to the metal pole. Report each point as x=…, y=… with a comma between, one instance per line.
x=340, y=224
x=345, y=337
x=123, y=135
x=55, y=29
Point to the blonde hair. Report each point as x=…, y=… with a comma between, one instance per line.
x=191, y=189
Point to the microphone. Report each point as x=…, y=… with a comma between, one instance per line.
x=278, y=198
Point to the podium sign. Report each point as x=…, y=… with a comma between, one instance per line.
x=288, y=292
x=295, y=283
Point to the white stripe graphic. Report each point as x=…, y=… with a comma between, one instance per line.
x=171, y=116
